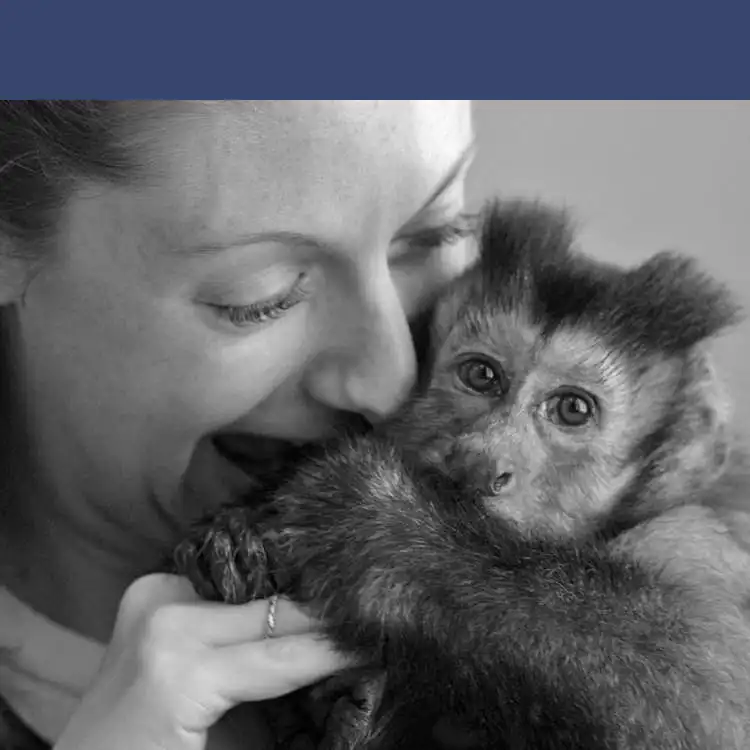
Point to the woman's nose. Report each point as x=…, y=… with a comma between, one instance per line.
x=369, y=365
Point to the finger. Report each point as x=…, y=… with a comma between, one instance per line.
x=224, y=624
x=154, y=589
x=149, y=593
x=273, y=667
x=178, y=610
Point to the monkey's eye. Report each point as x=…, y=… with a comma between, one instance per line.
x=482, y=376
x=571, y=408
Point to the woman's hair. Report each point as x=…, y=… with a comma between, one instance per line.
x=45, y=147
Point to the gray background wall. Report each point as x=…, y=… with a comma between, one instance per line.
x=641, y=177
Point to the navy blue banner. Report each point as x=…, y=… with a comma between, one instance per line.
x=522, y=50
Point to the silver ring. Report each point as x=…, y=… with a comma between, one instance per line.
x=271, y=615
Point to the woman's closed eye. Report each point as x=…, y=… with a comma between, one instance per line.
x=419, y=243
x=267, y=310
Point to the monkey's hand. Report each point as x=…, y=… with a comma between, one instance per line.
x=225, y=559
x=342, y=528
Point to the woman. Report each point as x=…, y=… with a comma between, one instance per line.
x=186, y=287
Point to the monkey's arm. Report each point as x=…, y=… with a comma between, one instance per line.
x=697, y=544
x=547, y=646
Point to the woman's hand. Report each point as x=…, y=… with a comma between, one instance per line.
x=177, y=664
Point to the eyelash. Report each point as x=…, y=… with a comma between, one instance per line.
x=420, y=243
x=428, y=240
x=267, y=310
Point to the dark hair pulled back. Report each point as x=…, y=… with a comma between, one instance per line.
x=45, y=146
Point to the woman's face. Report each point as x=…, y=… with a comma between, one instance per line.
x=258, y=280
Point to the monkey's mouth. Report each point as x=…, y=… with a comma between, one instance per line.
x=255, y=454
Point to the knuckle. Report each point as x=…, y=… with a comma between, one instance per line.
x=164, y=627
x=149, y=593
x=136, y=598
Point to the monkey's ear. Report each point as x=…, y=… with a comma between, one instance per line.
x=697, y=444
x=676, y=304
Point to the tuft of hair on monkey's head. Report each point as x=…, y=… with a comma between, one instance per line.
x=559, y=383
x=528, y=259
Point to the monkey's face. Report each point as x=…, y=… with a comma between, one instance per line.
x=555, y=380
x=540, y=428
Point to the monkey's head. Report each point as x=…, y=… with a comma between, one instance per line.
x=558, y=384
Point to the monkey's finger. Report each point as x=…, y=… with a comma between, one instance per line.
x=217, y=624
x=273, y=667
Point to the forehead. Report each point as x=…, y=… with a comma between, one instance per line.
x=237, y=167
x=580, y=354
x=572, y=353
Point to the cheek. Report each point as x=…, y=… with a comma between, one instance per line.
x=438, y=420
x=583, y=482
x=221, y=382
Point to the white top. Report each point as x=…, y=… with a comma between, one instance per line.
x=44, y=668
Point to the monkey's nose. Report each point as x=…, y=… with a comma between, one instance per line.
x=502, y=482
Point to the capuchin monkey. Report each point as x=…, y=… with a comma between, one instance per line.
x=538, y=543
x=567, y=395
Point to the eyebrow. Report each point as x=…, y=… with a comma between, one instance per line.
x=458, y=168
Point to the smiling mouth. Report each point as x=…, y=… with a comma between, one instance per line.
x=256, y=454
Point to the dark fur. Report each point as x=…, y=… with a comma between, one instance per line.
x=536, y=643
x=665, y=305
